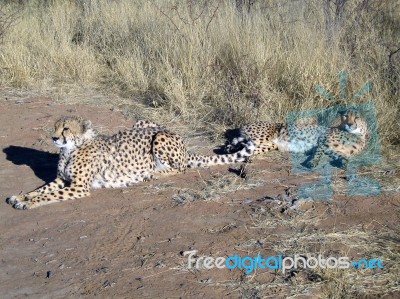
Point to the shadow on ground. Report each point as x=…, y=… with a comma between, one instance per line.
x=43, y=164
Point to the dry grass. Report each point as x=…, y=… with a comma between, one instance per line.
x=361, y=244
x=215, y=187
x=208, y=62
x=355, y=242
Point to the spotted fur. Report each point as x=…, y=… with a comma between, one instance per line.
x=299, y=137
x=342, y=142
x=88, y=160
x=339, y=142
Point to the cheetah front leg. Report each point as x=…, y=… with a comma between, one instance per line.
x=344, y=161
x=319, y=153
x=67, y=193
x=78, y=188
x=55, y=185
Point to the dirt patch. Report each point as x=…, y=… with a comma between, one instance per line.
x=131, y=242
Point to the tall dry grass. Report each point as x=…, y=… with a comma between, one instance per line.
x=210, y=62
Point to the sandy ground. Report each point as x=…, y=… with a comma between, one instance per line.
x=129, y=243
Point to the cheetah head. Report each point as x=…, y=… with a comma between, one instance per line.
x=354, y=124
x=71, y=132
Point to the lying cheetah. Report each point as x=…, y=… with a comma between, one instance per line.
x=340, y=142
x=88, y=160
x=299, y=137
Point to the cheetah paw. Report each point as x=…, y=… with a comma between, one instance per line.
x=12, y=200
x=20, y=202
x=21, y=206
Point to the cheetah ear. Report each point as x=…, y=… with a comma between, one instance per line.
x=87, y=124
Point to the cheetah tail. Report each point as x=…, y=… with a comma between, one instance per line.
x=196, y=160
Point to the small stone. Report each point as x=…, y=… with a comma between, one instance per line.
x=207, y=280
x=108, y=284
x=50, y=274
x=102, y=270
x=61, y=266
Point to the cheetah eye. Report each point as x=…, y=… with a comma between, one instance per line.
x=66, y=129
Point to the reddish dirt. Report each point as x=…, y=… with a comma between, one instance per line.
x=128, y=243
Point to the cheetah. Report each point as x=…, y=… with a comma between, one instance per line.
x=339, y=142
x=299, y=137
x=349, y=139
x=88, y=160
